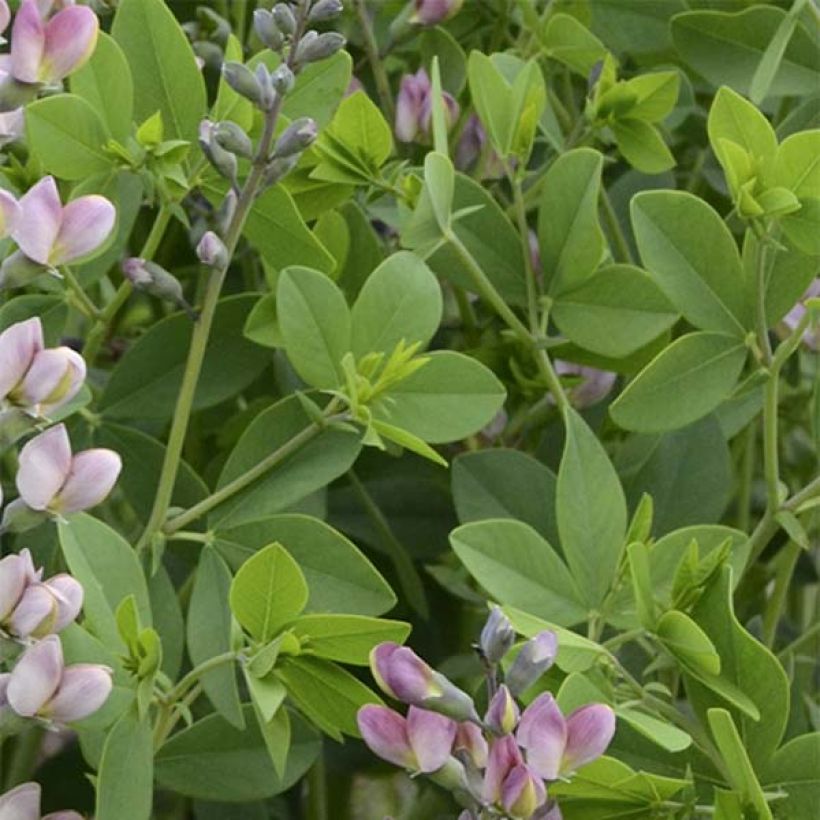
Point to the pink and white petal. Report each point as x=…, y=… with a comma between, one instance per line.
x=91, y=478
x=9, y=206
x=44, y=466
x=589, y=732
x=84, y=688
x=19, y=344
x=5, y=15
x=503, y=758
x=86, y=223
x=21, y=803
x=36, y=676
x=28, y=41
x=72, y=375
x=43, y=378
x=68, y=593
x=431, y=738
x=71, y=37
x=13, y=580
x=39, y=222
x=385, y=733
x=35, y=614
x=543, y=734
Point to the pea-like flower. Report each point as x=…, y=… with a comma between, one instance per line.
x=9, y=210
x=42, y=686
x=47, y=51
x=33, y=378
x=433, y=12
x=421, y=742
x=51, y=479
x=589, y=385
x=414, y=106
x=535, y=657
x=23, y=803
x=811, y=336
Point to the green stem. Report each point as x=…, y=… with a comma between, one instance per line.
x=787, y=559
x=97, y=334
x=524, y=234
x=771, y=469
x=24, y=757
x=809, y=635
x=762, y=323
x=371, y=48
x=316, y=798
x=747, y=466
x=620, y=251
x=82, y=298
x=196, y=673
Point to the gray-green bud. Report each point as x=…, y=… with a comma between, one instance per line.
x=18, y=270
x=284, y=18
x=277, y=169
x=325, y=10
x=282, y=78
x=224, y=161
x=153, y=279
x=266, y=29
x=233, y=138
x=242, y=80
x=268, y=92
x=300, y=134
x=319, y=47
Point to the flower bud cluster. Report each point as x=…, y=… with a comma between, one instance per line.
x=414, y=107
x=502, y=763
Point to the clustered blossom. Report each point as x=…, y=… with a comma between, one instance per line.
x=23, y=803
x=504, y=761
x=414, y=107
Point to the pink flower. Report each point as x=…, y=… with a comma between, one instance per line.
x=811, y=337
x=591, y=384
x=414, y=106
x=421, y=742
x=5, y=15
x=50, y=478
x=433, y=12
x=45, y=607
x=12, y=126
x=502, y=713
x=23, y=803
x=9, y=211
x=52, y=234
x=522, y=792
x=48, y=51
x=19, y=344
x=16, y=573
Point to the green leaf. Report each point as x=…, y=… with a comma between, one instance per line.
x=209, y=633
x=569, y=234
x=739, y=768
x=346, y=638
x=681, y=384
x=105, y=82
x=314, y=321
x=146, y=381
x=401, y=300
x=797, y=164
x=499, y=483
x=319, y=89
x=125, y=779
x=519, y=568
x=339, y=577
x=268, y=591
x=803, y=228
x=726, y=48
x=642, y=145
x=166, y=76
x=67, y=136
x=326, y=456
x=795, y=769
x=262, y=326
x=567, y=40
x=212, y=760
x=591, y=511
x=109, y=571
x=492, y=98
x=656, y=94
x=641, y=584
x=438, y=42
x=663, y=734
x=327, y=694
x=168, y=620
x=690, y=252
x=451, y=397
x=615, y=312
x=274, y=721
x=683, y=638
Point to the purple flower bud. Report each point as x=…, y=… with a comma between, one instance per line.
x=591, y=385
x=53, y=235
x=21, y=803
x=224, y=161
x=51, y=479
x=9, y=208
x=502, y=713
x=12, y=129
x=811, y=337
x=242, y=80
x=83, y=689
x=35, y=677
x=503, y=758
x=325, y=10
x=414, y=106
x=267, y=90
x=282, y=78
x=54, y=378
x=47, y=52
x=150, y=277
x=211, y=251
x=589, y=732
x=300, y=134
x=19, y=344
x=312, y=47
x=266, y=30
x=497, y=636
x=535, y=657
x=433, y=12
x=284, y=17
x=522, y=793
x=431, y=738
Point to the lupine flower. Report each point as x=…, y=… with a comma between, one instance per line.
x=470, y=743
x=421, y=742
x=414, y=106
x=48, y=51
x=557, y=746
x=502, y=713
x=593, y=384
x=9, y=212
x=811, y=337
x=535, y=657
x=211, y=250
x=12, y=127
x=41, y=686
x=497, y=636
x=522, y=793
x=433, y=12
x=33, y=378
x=23, y=803
x=402, y=674
x=16, y=573
x=503, y=758
x=52, y=234
x=5, y=16
x=51, y=479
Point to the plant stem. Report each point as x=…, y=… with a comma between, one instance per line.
x=371, y=48
x=762, y=324
x=202, y=328
x=771, y=468
x=620, y=251
x=524, y=231
x=788, y=561
x=96, y=335
x=810, y=634
x=317, y=807
x=196, y=673
x=83, y=300
x=24, y=757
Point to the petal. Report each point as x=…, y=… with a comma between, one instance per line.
x=589, y=732
x=522, y=792
x=543, y=734
x=470, y=739
x=502, y=713
x=63, y=815
x=55, y=377
x=68, y=593
x=503, y=758
x=84, y=688
x=36, y=676
x=409, y=677
x=91, y=478
x=86, y=223
x=19, y=344
x=71, y=37
x=385, y=733
x=9, y=206
x=408, y=110
x=28, y=40
x=44, y=466
x=431, y=738
x=35, y=614
x=39, y=222
x=13, y=580
x=21, y=803
x=5, y=15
